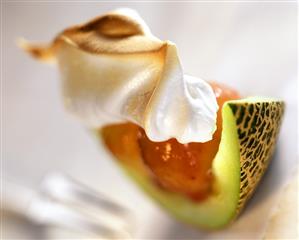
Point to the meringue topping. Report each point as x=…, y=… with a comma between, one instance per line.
x=114, y=70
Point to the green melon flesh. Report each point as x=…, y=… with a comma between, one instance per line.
x=223, y=206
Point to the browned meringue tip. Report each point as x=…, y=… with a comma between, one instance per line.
x=43, y=53
x=117, y=32
x=114, y=25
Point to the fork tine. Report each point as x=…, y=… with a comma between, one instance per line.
x=62, y=187
x=71, y=204
x=48, y=213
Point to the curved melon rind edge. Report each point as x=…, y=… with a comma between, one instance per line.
x=228, y=167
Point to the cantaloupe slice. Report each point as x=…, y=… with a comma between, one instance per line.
x=250, y=130
x=250, y=126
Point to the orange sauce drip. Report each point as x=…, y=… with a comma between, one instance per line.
x=176, y=167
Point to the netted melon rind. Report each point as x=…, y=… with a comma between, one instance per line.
x=257, y=125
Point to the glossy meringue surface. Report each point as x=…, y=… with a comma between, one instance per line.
x=114, y=70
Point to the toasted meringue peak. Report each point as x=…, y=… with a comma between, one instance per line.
x=114, y=70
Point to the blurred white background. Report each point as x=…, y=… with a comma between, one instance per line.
x=250, y=46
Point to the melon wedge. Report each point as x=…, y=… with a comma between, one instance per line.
x=118, y=45
x=250, y=130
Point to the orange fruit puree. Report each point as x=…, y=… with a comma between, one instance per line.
x=181, y=168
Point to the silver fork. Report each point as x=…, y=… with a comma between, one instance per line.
x=66, y=203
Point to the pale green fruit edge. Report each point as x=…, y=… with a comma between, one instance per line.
x=219, y=209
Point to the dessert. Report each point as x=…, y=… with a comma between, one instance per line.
x=198, y=148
